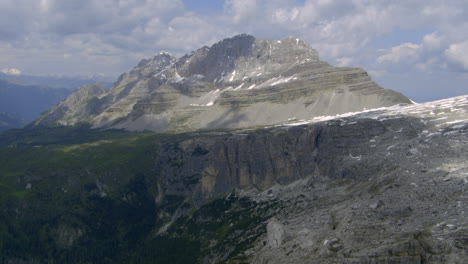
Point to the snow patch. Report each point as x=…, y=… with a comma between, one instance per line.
x=282, y=80
x=209, y=98
x=238, y=87
x=232, y=76
x=433, y=134
x=457, y=126
x=301, y=122
x=455, y=122
x=11, y=71
x=177, y=78
x=358, y=158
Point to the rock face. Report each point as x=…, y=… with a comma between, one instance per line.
x=274, y=234
x=238, y=82
x=380, y=186
x=75, y=108
x=385, y=185
x=390, y=187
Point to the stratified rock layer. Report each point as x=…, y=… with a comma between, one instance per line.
x=238, y=82
x=381, y=186
x=385, y=185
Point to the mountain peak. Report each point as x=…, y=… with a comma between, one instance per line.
x=237, y=82
x=161, y=58
x=11, y=71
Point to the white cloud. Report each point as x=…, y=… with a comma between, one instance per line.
x=343, y=62
x=442, y=10
x=458, y=54
x=282, y=16
x=36, y=35
x=432, y=41
x=405, y=51
x=240, y=10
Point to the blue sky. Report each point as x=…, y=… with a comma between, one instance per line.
x=418, y=47
x=210, y=5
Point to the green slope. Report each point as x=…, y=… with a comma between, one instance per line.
x=76, y=195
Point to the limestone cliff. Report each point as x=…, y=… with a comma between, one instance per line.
x=385, y=185
x=238, y=82
x=380, y=186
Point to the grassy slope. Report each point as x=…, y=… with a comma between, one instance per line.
x=50, y=194
x=48, y=178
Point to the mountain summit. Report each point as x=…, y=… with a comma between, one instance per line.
x=11, y=71
x=237, y=82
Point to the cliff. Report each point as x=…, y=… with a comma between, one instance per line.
x=385, y=185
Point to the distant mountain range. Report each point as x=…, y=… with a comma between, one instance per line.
x=8, y=121
x=25, y=97
x=28, y=101
x=67, y=82
x=10, y=71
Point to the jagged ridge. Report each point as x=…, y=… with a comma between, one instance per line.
x=238, y=82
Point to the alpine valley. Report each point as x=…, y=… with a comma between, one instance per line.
x=248, y=151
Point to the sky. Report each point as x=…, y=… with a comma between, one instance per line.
x=417, y=47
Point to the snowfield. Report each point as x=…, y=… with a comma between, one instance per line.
x=451, y=112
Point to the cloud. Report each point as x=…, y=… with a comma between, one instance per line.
x=112, y=35
x=343, y=62
x=457, y=54
x=441, y=50
x=240, y=10
x=33, y=32
x=17, y=18
x=432, y=41
x=405, y=51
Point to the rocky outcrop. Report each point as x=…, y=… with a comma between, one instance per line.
x=78, y=106
x=380, y=186
x=274, y=234
x=238, y=82
x=385, y=185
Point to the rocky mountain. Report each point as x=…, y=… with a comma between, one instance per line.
x=11, y=71
x=385, y=185
x=304, y=163
x=238, y=82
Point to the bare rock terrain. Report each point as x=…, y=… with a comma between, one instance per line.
x=237, y=82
